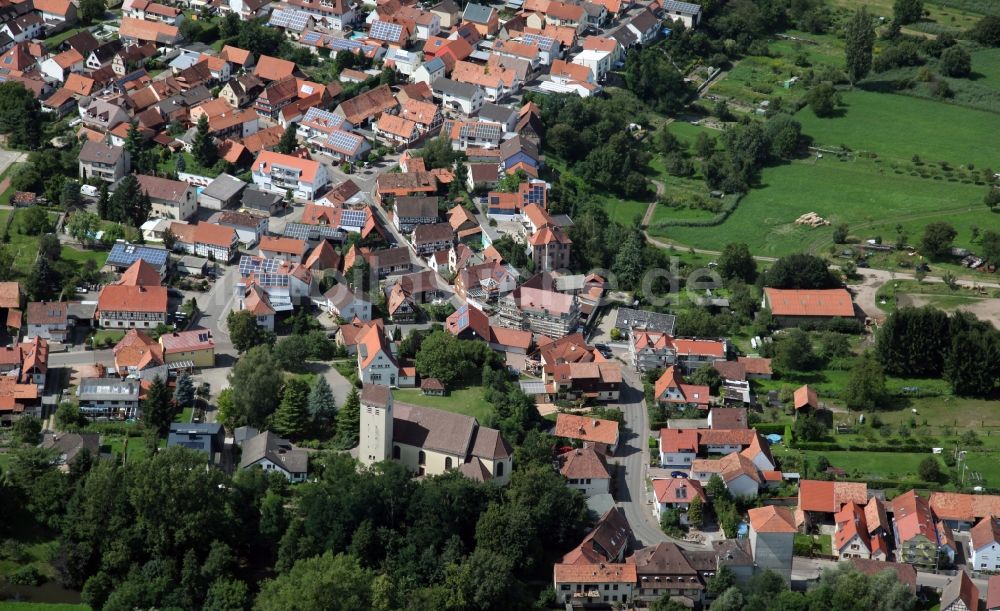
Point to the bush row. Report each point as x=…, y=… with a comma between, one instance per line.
x=716, y=220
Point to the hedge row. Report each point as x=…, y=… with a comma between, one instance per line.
x=770, y=428
x=824, y=446
x=716, y=220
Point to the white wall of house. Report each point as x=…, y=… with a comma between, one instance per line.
x=590, y=486
x=854, y=548
x=382, y=371
x=986, y=558
x=677, y=459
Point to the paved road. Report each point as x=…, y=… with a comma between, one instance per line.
x=633, y=461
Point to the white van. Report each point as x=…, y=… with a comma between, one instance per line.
x=89, y=190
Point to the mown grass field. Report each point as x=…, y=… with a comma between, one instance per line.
x=897, y=127
x=870, y=198
x=468, y=401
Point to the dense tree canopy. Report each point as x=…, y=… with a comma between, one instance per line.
x=800, y=271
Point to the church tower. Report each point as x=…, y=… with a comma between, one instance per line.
x=375, y=438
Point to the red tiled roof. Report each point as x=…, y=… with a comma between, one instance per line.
x=964, y=507
x=828, y=497
x=678, y=440
x=583, y=463
x=595, y=573
x=121, y=298
x=677, y=490
x=771, y=519
x=795, y=302
x=588, y=429
x=805, y=397
x=273, y=68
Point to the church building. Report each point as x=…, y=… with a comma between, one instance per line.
x=429, y=441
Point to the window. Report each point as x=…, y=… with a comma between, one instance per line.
x=564, y=586
x=395, y=452
x=499, y=469
x=447, y=463
x=421, y=458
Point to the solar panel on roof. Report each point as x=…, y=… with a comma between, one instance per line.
x=541, y=41
x=255, y=265
x=353, y=218
x=311, y=38
x=384, y=30
x=535, y=195
x=343, y=142
x=127, y=254
x=270, y=280
x=301, y=231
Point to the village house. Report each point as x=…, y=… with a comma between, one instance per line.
x=223, y=192
x=594, y=583
x=742, y=477
x=772, y=532
x=585, y=470
x=468, y=323
x=427, y=239
x=411, y=211
x=109, y=398
x=99, y=160
x=171, y=199
x=279, y=173
x=347, y=304
x=960, y=511
x=985, y=545
x=686, y=12
x=47, y=320
x=249, y=226
x=588, y=429
x=676, y=494
x=283, y=249
x=461, y=98
x=366, y=108
x=139, y=356
x=919, y=538
x=135, y=301
x=670, y=389
x=429, y=441
x=485, y=19
x=540, y=311
x=273, y=454
x=853, y=538
x=194, y=346
x=960, y=594
x=206, y=240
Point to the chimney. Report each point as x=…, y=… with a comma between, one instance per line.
x=595, y=422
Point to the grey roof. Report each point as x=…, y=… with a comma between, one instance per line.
x=644, y=20
x=432, y=429
x=625, y=36
x=417, y=207
x=374, y=395
x=97, y=152
x=193, y=262
x=682, y=7
x=224, y=187
x=436, y=232
x=390, y=257
x=70, y=444
x=259, y=199
x=243, y=433
x=201, y=436
x=511, y=147
x=279, y=451
x=108, y=389
x=341, y=296
x=477, y=13
x=644, y=319
x=496, y=113
x=434, y=65
x=446, y=6
x=455, y=89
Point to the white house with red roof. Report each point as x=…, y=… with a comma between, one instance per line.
x=670, y=389
x=986, y=545
x=772, y=532
x=136, y=301
x=678, y=447
x=676, y=493
x=585, y=470
x=653, y=349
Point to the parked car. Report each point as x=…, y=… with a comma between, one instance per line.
x=88, y=190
